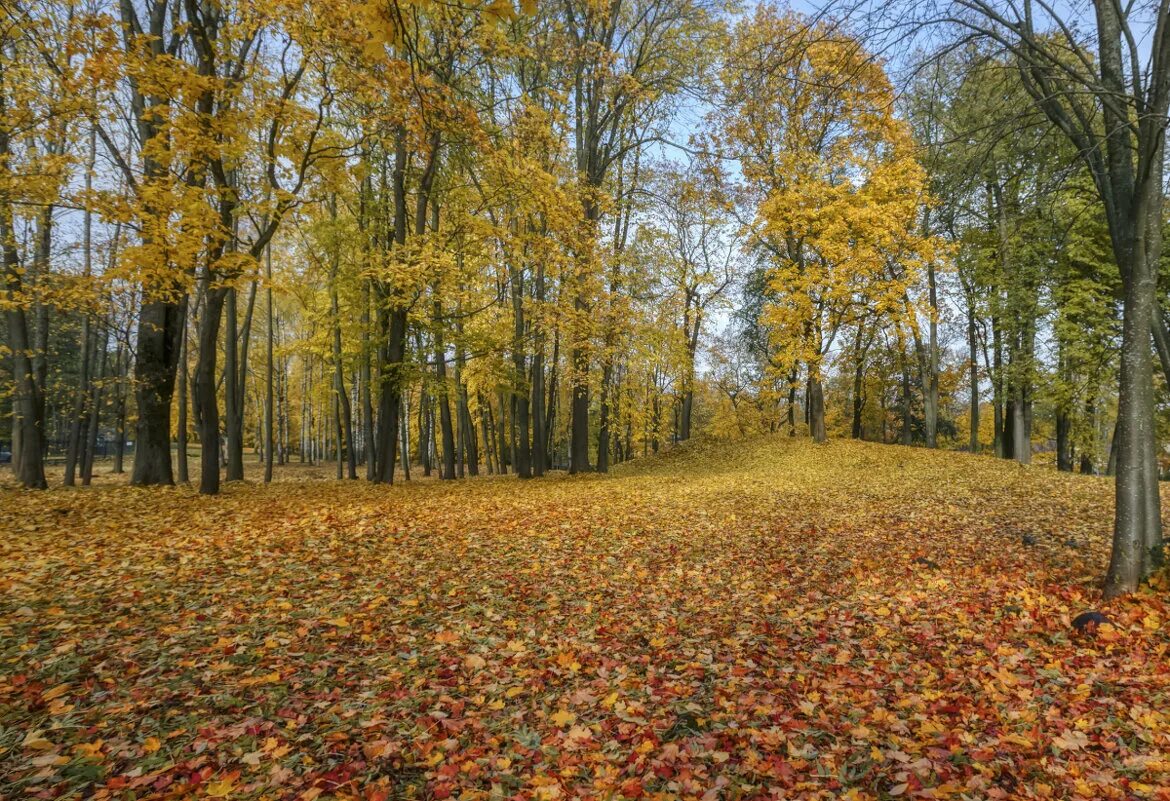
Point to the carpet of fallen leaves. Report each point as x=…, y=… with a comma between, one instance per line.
x=776, y=621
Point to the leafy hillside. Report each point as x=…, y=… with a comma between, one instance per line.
x=779, y=619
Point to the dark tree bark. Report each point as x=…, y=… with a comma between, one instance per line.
x=859, y=348
x=551, y=408
x=119, y=410
x=269, y=372
x=160, y=325
x=539, y=445
x=816, y=406
x=184, y=397
x=344, y=411
x=470, y=444
x=520, y=390
x=206, y=403
x=233, y=413
x=28, y=397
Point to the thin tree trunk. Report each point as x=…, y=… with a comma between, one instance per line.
x=367, y=398
x=858, y=381
x=930, y=379
x=551, y=408
x=184, y=396
x=95, y=411
x=973, y=374
x=344, y=413
x=269, y=372
x=119, y=411
x=442, y=391
x=233, y=415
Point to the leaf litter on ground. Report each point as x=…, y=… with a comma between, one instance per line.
x=773, y=620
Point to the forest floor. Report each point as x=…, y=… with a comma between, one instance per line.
x=769, y=620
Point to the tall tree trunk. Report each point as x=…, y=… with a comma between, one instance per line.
x=234, y=403
x=392, y=314
x=1137, y=536
x=28, y=427
x=484, y=428
x=184, y=397
x=858, y=381
x=160, y=325
x=792, y=403
x=816, y=406
x=269, y=372
x=442, y=390
x=344, y=413
x=930, y=382
x=973, y=374
x=471, y=446
x=502, y=434
x=603, y=417
x=539, y=444
x=206, y=402
x=404, y=436
x=233, y=416
x=73, y=449
x=74, y=446
x=551, y=408
x=367, y=397
x=907, y=416
x=95, y=410
x=519, y=394
x=1000, y=418
x=391, y=386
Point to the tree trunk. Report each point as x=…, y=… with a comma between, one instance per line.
x=233, y=415
x=930, y=380
x=206, y=402
x=485, y=428
x=388, y=406
x=907, y=417
x=1021, y=443
x=858, y=382
x=520, y=390
x=27, y=460
x=1064, y=458
x=603, y=417
x=470, y=445
x=539, y=446
x=119, y=411
x=367, y=394
x=1000, y=419
x=442, y=390
x=160, y=325
x=184, y=397
x=344, y=412
x=269, y=372
x=95, y=410
x=1137, y=534
x=551, y=408
x=73, y=450
x=973, y=375
x=816, y=406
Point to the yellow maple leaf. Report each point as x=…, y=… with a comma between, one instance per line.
x=563, y=718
